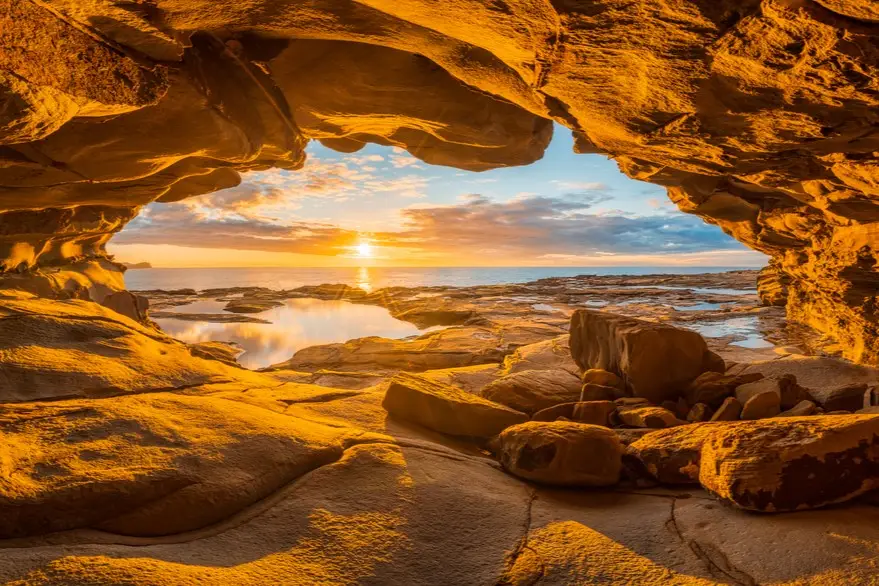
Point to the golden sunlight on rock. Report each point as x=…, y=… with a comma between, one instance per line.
x=381, y=425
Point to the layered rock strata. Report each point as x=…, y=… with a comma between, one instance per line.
x=758, y=116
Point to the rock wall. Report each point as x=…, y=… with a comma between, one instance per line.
x=758, y=115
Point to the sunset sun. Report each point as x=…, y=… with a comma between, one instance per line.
x=364, y=250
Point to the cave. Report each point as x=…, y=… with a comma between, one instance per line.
x=127, y=456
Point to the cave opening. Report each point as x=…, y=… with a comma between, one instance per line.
x=471, y=292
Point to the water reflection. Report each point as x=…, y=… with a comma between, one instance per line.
x=744, y=329
x=297, y=324
x=363, y=279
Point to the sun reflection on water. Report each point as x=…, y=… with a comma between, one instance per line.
x=363, y=279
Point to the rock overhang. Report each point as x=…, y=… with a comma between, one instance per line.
x=758, y=116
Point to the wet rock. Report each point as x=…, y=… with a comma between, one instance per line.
x=792, y=463
x=656, y=360
x=700, y=412
x=562, y=453
x=729, y=410
x=597, y=376
x=672, y=456
x=251, y=305
x=445, y=409
x=840, y=398
x=801, y=409
x=624, y=402
x=652, y=417
x=529, y=391
x=761, y=405
x=593, y=392
x=713, y=388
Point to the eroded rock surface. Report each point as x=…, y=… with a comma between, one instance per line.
x=757, y=116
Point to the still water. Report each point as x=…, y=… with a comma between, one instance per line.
x=296, y=325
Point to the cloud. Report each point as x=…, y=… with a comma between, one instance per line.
x=580, y=185
x=183, y=225
x=541, y=225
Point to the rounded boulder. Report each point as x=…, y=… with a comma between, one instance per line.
x=561, y=453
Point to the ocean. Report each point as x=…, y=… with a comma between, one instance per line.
x=376, y=277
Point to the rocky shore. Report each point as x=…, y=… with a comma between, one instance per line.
x=532, y=438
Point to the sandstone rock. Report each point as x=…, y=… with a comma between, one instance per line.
x=552, y=354
x=449, y=348
x=446, y=409
x=792, y=463
x=251, y=305
x=529, y=391
x=672, y=456
x=713, y=362
x=624, y=402
x=652, y=417
x=761, y=405
x=629, y=436
x=565, y=410
x=713, y=388
x=597, y=376
x=772, y=285
x=594, y=392
x=562, y=453
x=700, y=412
x=153, y=464
x=593, y=412
x=840, y=398
x=132, y=306
x=655, y=360
x=729, y=410
x=75, y=348
x=789, y=392
x=801, y=409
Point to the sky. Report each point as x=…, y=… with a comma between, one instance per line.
x=382, y=207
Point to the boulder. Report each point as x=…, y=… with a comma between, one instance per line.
x=565, y=410
x=530, y=391
x=789, y=392
x=647, y=416
x=593, y=412
x=561, y=453
x=729, y=410
x=594, y=392
x=713, y=388
x=655, y=360
x=792, y=463
x=128, y=304
x=446, y=409
x=700, y=412
x=840, y=398
x=801, y=409
x=762, y=405
x=672, y=455
x=714, y=362
x=598, y=376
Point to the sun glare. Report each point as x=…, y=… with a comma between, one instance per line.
x=364, y=250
